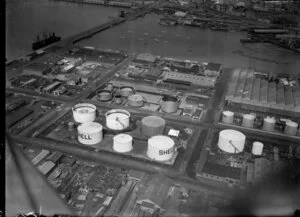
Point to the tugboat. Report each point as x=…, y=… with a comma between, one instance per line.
x=45, y=40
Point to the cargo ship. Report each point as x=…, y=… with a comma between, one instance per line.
x=45, y=40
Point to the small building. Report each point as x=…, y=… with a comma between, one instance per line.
x=184, y=2
x=152, y=191
x=180, y=14
x=51, y=86
x=152, y=74
x=213, y=69
x=145, y=58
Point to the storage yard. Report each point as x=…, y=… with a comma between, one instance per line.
x=122, y=133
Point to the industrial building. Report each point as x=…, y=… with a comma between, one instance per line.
x=257, y=93
x=220, y=173
x=152, y=192
x=193, y=79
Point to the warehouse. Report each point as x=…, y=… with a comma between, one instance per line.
x=194, y=79
x=257, y=93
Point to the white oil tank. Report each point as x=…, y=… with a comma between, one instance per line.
x=117, y=119
x=227, y=117
x=160, y=148
x=231, y=141
x=291, y=128
x=122, y=143
x=257, y=148
x=248, y=120
x=84, y=112
x=90, y=133
x=269, y=124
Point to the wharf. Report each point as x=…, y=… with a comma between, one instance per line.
x=101, y=2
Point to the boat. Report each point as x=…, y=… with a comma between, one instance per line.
x=167, y=22
x=46, y=40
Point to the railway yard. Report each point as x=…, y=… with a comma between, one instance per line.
x=119, y=134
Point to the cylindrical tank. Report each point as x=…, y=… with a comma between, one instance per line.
x=118, y=99
x=227, y=117
x=248, y=120
x=109, y=87
x=257, y=148
x=126, y=91
x=169, y=104
x=153, y=125
x=122, y=143
x=117, y=119
x=90, y=133
x=160, y=148
x=84, y=112
x=135, y=100
x=291, y=128
x=231, y=141
x=104, y=95
x=269, y=124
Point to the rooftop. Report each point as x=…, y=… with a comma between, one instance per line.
x=221, y=170
x=246, y=88
x=154, y=188
x=214, y=66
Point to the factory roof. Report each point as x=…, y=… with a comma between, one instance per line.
x=221, y=170
x=154, y=189
x=214, y=66
x=247, y=88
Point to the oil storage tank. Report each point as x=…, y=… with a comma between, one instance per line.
x=231, y=141
x=104, y=95
x=122, y=143
x=135, y=100
x=126, y=91
x=153, y=125
x=248, y=120
x=291, y=128
x=117, y=119
x=227, y=117
x=257, y=148
x=90, y=133
x=169, y=104
x=269, y=124
x=84, y=112
x=160, y=148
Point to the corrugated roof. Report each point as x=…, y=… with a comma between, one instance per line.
x=213, y=66
x=154, y=188
x=221, y=170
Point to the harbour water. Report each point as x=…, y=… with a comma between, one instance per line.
x=140, y=35
x=26, y=18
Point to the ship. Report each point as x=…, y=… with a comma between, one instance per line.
x=45, y=40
